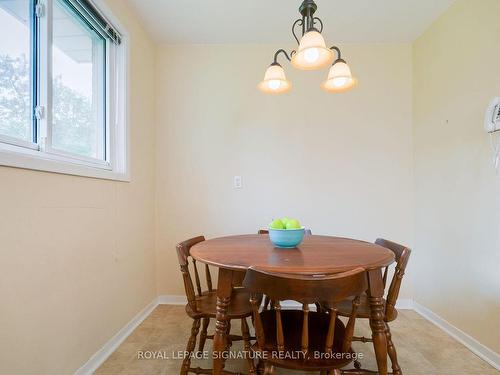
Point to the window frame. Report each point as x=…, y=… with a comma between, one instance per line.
x=40, y=155
x=34, y=24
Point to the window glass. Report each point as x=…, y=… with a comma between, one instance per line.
x=15, y=69
x=62, y=78
x=78, y=86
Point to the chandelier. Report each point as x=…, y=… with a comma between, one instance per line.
x=311, y=54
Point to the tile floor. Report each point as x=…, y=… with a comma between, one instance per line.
x=422, y=348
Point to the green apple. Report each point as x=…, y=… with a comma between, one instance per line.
x=284, y=220
x=276, y=224
x=293, y=224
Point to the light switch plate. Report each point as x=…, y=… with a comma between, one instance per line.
x=237, y=182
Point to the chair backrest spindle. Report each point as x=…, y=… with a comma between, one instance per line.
x=197, y=278
x=259, y=329
x=209, y=278
x=386, y=273
x=279, y=327
x=331, y=331
x=349, y=330
x=305, y=329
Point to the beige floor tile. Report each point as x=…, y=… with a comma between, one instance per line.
x=423, y=349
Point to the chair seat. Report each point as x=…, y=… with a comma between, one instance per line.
x=206, y=305
x=345, y=307
x=292, y=357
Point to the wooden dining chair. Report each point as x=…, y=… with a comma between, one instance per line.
x=402, y=255
x=267, y=301
x=201, y=306
x=302, y=339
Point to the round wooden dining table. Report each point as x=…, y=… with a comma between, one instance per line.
x=233, y=255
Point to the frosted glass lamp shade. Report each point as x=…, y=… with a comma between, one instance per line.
x=275, y=81
x=312, y=53
x=339, y=78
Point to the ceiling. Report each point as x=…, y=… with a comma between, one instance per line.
x=259, y=21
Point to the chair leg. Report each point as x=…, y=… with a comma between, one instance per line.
x=391, y=350
x=245, y=331
x=203, y=334
x=191, y=345
x=228, y=343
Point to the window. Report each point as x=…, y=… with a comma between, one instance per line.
x=16, y=67
x=62, y=88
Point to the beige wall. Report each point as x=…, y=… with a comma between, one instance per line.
x=77, y=254
x=457, y=250
x=78, y=259
x=342, y=164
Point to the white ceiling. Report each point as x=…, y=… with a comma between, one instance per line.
x=269, y=21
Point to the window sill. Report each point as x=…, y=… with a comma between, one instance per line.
x=35, y=160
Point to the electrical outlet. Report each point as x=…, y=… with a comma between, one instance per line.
x=237, y=182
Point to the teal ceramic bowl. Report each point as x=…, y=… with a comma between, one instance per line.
x=286, y=238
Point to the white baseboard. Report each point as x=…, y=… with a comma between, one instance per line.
x=98, y=358
x=469, y=342
x=472, y=344
x=404, y=304
x=171, y=299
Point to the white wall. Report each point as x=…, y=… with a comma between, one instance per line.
x=457, y=250
x=77, y=254
x=342, y=164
